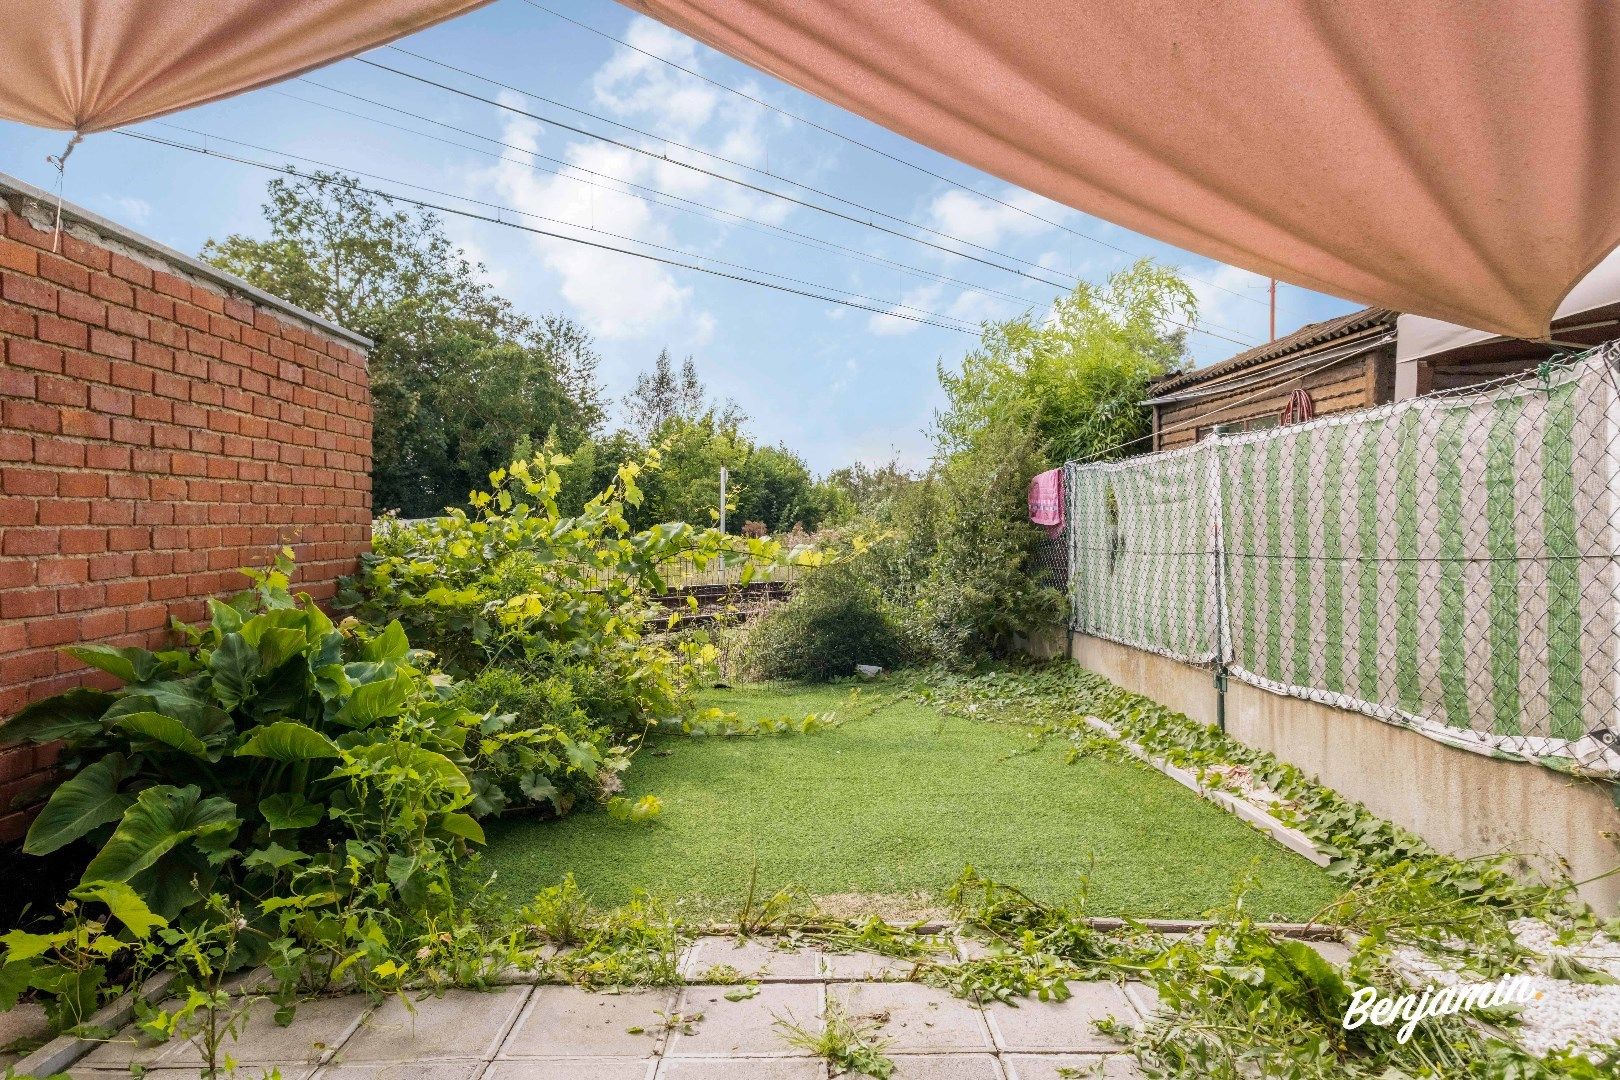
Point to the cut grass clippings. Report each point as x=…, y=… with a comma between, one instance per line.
x=892, y=805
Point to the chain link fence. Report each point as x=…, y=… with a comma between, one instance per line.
x=1448, y=563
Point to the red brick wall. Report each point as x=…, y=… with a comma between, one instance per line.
x=156, y=433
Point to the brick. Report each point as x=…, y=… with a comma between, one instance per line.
x=127, y=269
x=75, y=335
x=29, y=291
x=31, y=416
x=114, y=345
x=27, y=603
x=17, y=480
x=33, y=354
x=79, y=307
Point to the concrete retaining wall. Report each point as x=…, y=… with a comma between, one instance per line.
x=1464, y=804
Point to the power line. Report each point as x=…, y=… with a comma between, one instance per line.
x=654, y=195
x=497, y=220
x=755, y=187
x=853, y=141
x=964, y=324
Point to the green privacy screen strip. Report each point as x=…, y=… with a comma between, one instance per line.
x=1447, y=563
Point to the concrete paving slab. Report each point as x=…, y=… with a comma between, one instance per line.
x=1143, y=997
x=865, y=965
x=755, y=959
x=125, y=1050
x=916, y=1018
x=460, y=1024
x=318, y=1027
x=1067, y=1066
x=572, y=1069
x=25, y=1026
x=1334, y=952
x=444, y=1069
x=1035, y=1026
x=565, y=1021
x=945, y=1067
x=190, y=1072
x=747, y=1026
x=742, y=1069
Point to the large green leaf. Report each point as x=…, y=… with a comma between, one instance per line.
x=374, y=701
x=234, y=663
x=391, y=644
x=280, y=644
x=160, y=819
x=423, y=762
x=286, y=740
x=125, y=904
x=290, y=810
x=166, y=730
x=84, y=802
x=128, y=664
x=65, y=716
x=461, y=825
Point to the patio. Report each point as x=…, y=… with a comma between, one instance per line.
x=704, y=1030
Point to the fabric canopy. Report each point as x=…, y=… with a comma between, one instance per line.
x=1417, y=337
x=91, y=65
x=1455, y=160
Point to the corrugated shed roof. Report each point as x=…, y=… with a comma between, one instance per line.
x=1304, y=339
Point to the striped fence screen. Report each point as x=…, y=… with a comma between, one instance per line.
x=1449, y=563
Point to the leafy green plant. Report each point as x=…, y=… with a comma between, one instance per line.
x=837, y=618
x=847, y=1043
x=275, y=741
x=638, y=944
x=563, y=599
x=68, y=966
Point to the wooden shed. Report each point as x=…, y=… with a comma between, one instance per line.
x=1340, y=364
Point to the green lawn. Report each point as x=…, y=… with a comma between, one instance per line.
x=891, y=806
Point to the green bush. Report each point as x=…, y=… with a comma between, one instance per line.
x=275, y=741
x=538, y=743
x=836, y=619
x=563, y=598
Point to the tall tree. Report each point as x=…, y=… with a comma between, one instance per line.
x=1077, y=377
x=663, y=395
x=457, y=375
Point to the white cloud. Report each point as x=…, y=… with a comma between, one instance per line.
x=901, y=318
x=980, y=221
x=615, y=295
x=1222, y=308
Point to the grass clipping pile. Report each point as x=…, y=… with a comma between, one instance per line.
x=1239, y=1001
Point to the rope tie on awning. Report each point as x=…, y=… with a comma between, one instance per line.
x=59, y=163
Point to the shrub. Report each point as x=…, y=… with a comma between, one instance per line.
x=520, y=584
x=275, y=742
x=838, y=618
x=538, y=743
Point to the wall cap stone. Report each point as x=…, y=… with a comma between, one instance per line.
x=104, y=232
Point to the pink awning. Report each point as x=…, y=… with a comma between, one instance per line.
x=1454, y=160
x=91, y=65
x=1457, y=160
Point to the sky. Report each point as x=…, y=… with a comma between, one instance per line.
x=835, y=382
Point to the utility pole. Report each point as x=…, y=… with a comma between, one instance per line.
x=1273, y=291
x=722, y=498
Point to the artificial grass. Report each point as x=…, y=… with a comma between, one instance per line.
x=892, y=805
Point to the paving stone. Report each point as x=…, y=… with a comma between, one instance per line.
x=124, y=1050
x=1334, y=952
x=461, y=1024
x=747, y=1026
x=755, y=958
x=25, y=1021
x=318, y=1027
x=742, y=1069
x=1144, y=997
x=945, y=1067
x=189, y=1072
x=865, y=965
x=918, y=1018
x=572, y=1069
x=443, y=1069
x=1084, y=1066
x=565, y=1021
x=1036, y=1026
x=971, y=948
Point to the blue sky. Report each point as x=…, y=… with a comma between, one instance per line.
x=835, y=383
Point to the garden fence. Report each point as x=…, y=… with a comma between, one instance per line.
x=1448, y=563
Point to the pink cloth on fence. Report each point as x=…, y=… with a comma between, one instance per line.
x=1046, y=500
